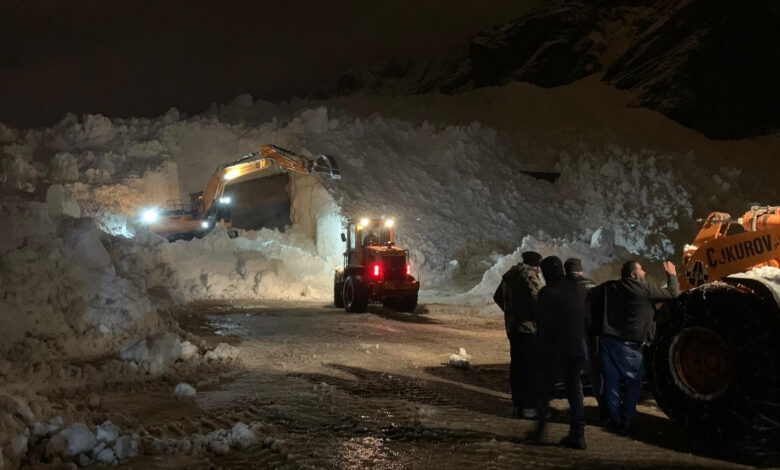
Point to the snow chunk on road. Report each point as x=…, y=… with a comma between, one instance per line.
x=460, y=360
x=126, y=447
x=222, y=351
x=157, y=352
x=107, y=432
x=184, y=390
x=78, y=439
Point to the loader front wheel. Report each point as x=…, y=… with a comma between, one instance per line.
x=355, y=295
x=338, y=294
x=714, y=364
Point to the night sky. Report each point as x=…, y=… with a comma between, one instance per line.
x=139, y=58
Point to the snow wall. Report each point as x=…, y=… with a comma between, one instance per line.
x=463, y=207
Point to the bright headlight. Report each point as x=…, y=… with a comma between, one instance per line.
x=232, y=173
x=150, y=216
x=204, y=224
x=364, y=222
x=225, y=200
x=389, y=223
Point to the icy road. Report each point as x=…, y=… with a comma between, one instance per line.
x=326, y=389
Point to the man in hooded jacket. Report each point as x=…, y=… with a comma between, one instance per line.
x=561, y=325
x=517, y=297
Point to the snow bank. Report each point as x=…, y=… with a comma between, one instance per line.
x=58, y=278
x=457, y=193
x=459, y=196
x=79, y=444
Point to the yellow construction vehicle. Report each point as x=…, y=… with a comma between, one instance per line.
x=715, y=360
x=211, y=206
x=375, y=269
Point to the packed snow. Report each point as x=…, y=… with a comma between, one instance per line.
x=82, y=276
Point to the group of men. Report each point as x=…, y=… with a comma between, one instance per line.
x=562, y=325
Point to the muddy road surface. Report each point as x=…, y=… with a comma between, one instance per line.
x=321, y=388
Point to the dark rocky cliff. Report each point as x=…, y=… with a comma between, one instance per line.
x=712, y=65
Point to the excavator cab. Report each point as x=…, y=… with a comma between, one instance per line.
x=375, y=269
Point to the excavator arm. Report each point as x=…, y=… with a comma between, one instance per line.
x=269, y=159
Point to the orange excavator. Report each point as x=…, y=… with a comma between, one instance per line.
x=715, y=360
x=211, y=206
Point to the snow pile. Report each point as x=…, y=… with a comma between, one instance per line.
x=77, y=443
x=767, y=275
x=59, y=279
x=457, y=193
x=220, y=442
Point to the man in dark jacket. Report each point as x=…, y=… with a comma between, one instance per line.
x=628, y=314
x=518, y=298
x=574, y=272
x=562, y=322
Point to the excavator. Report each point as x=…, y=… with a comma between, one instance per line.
x=211, y=206
x=714, y=363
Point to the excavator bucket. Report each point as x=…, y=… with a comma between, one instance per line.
x=325, y=164
x=293, y=161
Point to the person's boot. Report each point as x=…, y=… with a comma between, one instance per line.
x=625, y=429
x=537, y=436
x=611, y=425
x=573, y=441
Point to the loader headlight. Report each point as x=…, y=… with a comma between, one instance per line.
x=225, y=200
x=364, y=222
x=204, y=224
x=389, y=223
x=150, y=216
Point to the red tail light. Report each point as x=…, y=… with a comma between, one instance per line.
x=376, y=270
x=408, y=269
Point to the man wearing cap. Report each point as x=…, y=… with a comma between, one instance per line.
x=562, y=322
x=574, y=272
x=518, y=298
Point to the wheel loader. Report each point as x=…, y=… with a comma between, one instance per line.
x=715, y=360
x=375, y=269
x=211, y=206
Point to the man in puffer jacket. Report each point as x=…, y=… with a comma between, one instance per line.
x=518, y=298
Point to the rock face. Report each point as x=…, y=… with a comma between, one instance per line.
x=711, y=65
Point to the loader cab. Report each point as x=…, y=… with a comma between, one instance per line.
x=366, y=233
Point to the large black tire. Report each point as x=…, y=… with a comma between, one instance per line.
x=355, y=295
x=338, y=294
x=406, y=303
x=714, y=365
